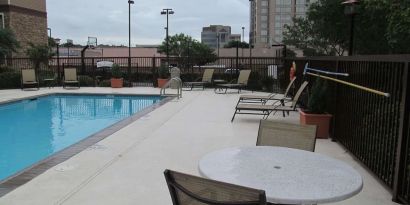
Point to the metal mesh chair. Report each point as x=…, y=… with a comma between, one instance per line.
x=191, y=190
x=28, y=77
x=275, y=133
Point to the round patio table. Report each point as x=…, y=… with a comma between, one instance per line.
x=288, y=176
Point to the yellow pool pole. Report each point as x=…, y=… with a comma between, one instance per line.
x=351, y=84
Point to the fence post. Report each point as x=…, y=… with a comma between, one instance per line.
x=154, y=62
x=94, y=77
x=401, y=168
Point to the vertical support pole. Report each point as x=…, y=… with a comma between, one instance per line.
x=94, y=77
x=401, y=168
x=58, y=63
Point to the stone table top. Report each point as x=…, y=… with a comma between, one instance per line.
x=288, y=176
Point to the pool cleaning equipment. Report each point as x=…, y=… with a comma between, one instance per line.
x=319, y=72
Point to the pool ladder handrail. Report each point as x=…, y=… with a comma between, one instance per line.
x=178, y=81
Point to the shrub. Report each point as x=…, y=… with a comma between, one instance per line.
x=116, y=71
x=86, y=81
x=318, y=97
x=10, y=80
x=105, y=83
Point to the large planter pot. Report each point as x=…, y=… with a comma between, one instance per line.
x=117, y=82
x=321, y=120
x=162, y=82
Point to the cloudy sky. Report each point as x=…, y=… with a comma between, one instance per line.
x=108, y=19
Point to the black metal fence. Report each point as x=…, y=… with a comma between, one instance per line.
x=144, y=70
x=374, y=129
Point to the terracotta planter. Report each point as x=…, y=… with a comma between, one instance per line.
x=117, y=82
x=321, y=120
x=162, y=82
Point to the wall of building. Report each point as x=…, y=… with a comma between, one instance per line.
x=37, y=5
x=28, y=29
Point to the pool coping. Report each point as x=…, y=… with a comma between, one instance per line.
x=24, y=176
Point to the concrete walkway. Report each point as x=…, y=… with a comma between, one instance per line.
x=127, y=167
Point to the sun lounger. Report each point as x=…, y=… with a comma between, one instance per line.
x=205, y=80
x=241, y=83
x=266, y=110
x=29, y=78
x=70, y=77
x=264, y=98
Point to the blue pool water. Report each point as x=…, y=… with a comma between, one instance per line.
x=32, y=130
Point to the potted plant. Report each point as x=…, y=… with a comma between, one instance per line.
x=162, y=76
x=116, y=77
x=315, y=114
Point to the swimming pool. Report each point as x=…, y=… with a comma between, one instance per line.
x=32, y=130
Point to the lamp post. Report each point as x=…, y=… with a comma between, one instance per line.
x=243, y=39
x=129, y=41
x=167, y=12
x=57, y=41
x=251, y=27
x=217, y=43
x=351, y=9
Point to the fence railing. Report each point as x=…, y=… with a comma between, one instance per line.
x=374, y=129
x=144, y=70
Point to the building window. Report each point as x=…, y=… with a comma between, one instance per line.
x=264, y=25
x=264, y=32
x=264, y=3
x=264, y=18
x=264, y=11
x=2, y=20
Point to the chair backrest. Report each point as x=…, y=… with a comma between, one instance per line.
x=289, y=87
x=191, y=190
x=244, y=77
x=70, y=74
x=298, y=94
x=275, y=133
x=208, y=74
x=28, y=75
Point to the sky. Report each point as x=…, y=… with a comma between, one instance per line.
x=108, y=19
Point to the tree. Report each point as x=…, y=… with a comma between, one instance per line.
x=233, y=44
x=181, y=45
x=8, y=42
x=381, y=27
x=39, y=54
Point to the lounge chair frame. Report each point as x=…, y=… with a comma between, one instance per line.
x=266, y=110
x=29, y=77
x=70, y=77
x=241, y=83
x=282, y=134
x=175, y=187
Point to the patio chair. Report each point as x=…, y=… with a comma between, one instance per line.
x=266, y=110
x=241, y=83
x=29, y=78
x=205, y=80
x=265, y=98
x=191, y=190
x=296, y=136
x=70, y=77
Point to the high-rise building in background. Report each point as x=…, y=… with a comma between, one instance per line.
x=268, y=18
x=27, y=19
x=210, y=35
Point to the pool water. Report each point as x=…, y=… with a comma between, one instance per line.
x=32, y=130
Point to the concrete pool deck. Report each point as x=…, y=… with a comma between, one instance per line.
x=127, y=167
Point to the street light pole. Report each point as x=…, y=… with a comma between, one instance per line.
x=351, y=10
x=243, y=39
x=167, y=12
x=57, y=41
x=129, y=41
